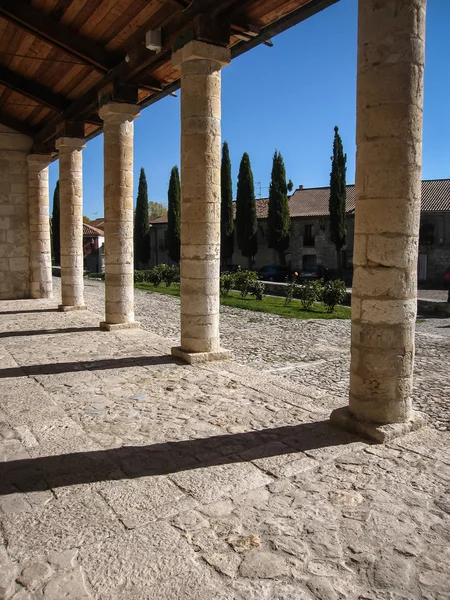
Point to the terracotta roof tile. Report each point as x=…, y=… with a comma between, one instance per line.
x=88, y=229
x=313, y=202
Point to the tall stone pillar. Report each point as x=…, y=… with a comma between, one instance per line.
x=38, y=206
x=388, y=194
x=200, y=65
x=118, y=191
x=71, y=207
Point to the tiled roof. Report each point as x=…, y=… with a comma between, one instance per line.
x=313, y=202
x=99, y=223
x=162, y=219
x=88, y=229
x=436, y=194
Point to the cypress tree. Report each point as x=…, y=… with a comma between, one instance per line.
x=338, y=193
x=246, y=222
x=141, y=224
x=278, y=219
x=173, y=216
x=226, y=207
x=56, y=224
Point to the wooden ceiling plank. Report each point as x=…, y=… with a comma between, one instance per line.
x=16, y=124
x=32, y=89
x=44, y=27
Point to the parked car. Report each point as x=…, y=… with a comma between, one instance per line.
x=311, y=273
x=230, y=268
x=274, y=273
x=447, y=282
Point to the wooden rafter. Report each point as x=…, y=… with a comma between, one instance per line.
x=17, y=125
x=32, y=89
x=141, y=64
x=56, y=34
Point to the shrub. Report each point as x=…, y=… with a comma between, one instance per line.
x=310, y=292
x=291, y=290
x=226, y=283
x=258, y=290
x=244, y=281
x=141, y=276
x=170, y=274
x=333, y=293
x=156, y=275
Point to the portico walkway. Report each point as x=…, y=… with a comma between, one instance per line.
x=129, y=475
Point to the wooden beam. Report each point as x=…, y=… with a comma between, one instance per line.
x=284, y=23
x=56, y=34
x=32, y=89
x=16, y=124
x=140, y=62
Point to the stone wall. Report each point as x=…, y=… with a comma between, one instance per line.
x=437, y=250
x=14, y=224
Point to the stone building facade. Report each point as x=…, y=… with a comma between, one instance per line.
x=14, y=215
x=310, y=233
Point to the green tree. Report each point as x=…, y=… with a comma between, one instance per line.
x=56, y=224
x=156, y=209
x=226, y=207
x=173, y=216
x=246, y=221
x=141, y=224
x=278, y=218
x=338, y=193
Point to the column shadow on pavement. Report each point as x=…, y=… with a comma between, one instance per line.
x=9, y=334
x=90, y=365
x=132, y=462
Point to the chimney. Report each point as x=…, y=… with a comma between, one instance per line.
x=300, y=187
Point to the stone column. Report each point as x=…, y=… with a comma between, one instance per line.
x=200, y=65
x=40, y=246
x=388, y=193
x=118, y=191
x=71, y=207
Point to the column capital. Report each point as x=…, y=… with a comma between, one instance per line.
x=70, y=142
x=40, y=159
x=196, y=50
x=119, y=112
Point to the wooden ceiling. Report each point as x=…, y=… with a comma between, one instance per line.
x=57, y=56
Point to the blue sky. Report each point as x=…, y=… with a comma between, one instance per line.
x=288, y=97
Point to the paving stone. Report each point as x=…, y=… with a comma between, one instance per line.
x=139, y=502
x=213, y=483
x=35, y=575
x=8, y=574
x=190, y=476
x=264, y=565
x=67, y=586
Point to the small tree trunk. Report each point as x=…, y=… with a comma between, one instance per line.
x=339, y=262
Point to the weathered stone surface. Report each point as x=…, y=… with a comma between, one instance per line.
x=118, y=131
x=198, y=499
x=8, y=573
x=71, y=199
x=264, y=565
x=35, y=575
x=70, y=586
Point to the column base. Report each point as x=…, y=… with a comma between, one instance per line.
x=343, y=418
x=198, y=358
x=67, y=308
x=104, y=326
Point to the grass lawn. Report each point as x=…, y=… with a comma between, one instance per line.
x=270, y=304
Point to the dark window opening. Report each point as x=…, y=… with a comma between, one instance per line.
x=308, y=236
x=426, y=234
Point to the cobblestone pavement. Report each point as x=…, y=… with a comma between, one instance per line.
x=314, y=353
x=127, y=475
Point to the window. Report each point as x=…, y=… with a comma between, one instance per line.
x=308, y=236
x=426, y=234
